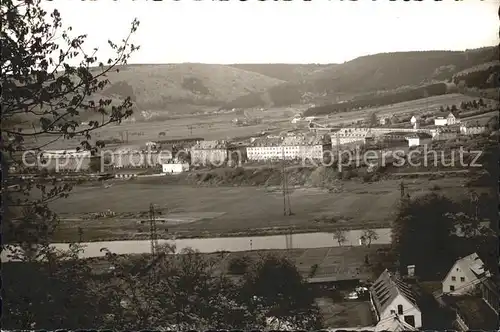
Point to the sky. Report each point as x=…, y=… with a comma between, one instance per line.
x=318, y=31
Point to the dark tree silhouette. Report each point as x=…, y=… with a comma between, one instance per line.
x=422, y=223
x=274, y=287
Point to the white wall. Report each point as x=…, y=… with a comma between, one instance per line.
x=461, y=287
x=286, y=152
x=174, y=168
x=408, y=310
x=414, y=141
x=209, y=156
x=472, y=130
x=440, y=122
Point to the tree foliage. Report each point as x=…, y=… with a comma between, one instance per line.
x=421, y=232
x=51, y=78
x=340, y=235
x=368, y=236
x=275, y=289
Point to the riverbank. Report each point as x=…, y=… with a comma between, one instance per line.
x=229, y=244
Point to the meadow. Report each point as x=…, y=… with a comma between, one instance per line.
x=233, y=211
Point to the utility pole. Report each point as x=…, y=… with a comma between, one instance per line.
x=339, y=162
x=402, y=189
x=80, y=234
x=153, y=233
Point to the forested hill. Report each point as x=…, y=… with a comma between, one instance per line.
x=285, y=71
x=379, y=72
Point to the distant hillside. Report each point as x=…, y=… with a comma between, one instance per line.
x=284, y=71
x=483, y=76
x=158, y=86
x=385, y=71
x=380, y=100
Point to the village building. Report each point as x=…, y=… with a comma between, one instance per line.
x=413, y=120
x=393, y=301
x=452, y=118
x=446, y=118
x=440, y=121
x=472, y=128
x=209, y=153
x=464, y=275
x=445, y=133
x=174, y=167
x=289, y=147
x=384, y=121
x=490, y=292
x=418, y=139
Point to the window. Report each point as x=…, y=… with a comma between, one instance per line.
x=453, y=278
x=452, y=288
x=400, y=309
x=462, y=279
x=410, y=319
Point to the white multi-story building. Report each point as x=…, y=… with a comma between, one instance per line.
x=209, y=153
x=289, y=147
x=472, y=129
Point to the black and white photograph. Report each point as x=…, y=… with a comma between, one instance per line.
x=250, y=165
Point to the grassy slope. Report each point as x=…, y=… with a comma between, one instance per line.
x=384, y=71
x=156, y=86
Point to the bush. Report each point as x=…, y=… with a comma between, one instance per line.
x=348, y=174
x=239, y=265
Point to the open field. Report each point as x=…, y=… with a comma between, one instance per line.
x=231, y=211
x=209, y=127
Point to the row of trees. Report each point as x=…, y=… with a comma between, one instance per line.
x=464, y=106
x=424, y=232
x=183, y=290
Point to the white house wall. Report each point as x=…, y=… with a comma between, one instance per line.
x=461, y=287
x=286, y=152
x=408, y=310
x=208, y=156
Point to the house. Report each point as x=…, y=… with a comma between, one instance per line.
x=209, y=153
x=470, y=128
x=174, y=168
x=445, y=133
x=152, y=145
x=440, y=121
x=472, y=313
x=392, y=300
x=384, y=121
x=394, y=324
x=413, y=120
x=446, y=118
x=464, y=275
x=417, y=139
x=452, y=118
x=289, y=147
x=490, y=292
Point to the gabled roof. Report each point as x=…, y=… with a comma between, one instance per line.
x=386, y=288
x=454, y=113
x=419, y=135
x=472, y=266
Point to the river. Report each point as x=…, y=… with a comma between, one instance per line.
x=208, y=245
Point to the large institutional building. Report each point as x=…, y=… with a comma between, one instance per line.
x=289, y=147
